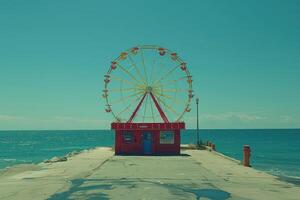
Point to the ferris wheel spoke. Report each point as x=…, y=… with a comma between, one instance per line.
x=166, y=74
x=180, y=79
x=173, y=90
x=129, y=106
x=124, y=80
x=152, y=72
x=128, y=73
x=137, y=69
x=143, y=63
x=175, y=100
x=125, y=89
x=127, y=97
x=118, y=115
x=167, y=106
x=170, y=81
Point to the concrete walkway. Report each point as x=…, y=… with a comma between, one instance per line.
x=98, y=174
x=194, y=175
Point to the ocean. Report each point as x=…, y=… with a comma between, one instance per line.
x=273, y=151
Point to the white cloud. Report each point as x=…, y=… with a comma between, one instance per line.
x=79, y=120
x=51, y=119
x=286, y=118
x=8, y=122
x=10, y=118
x=231, y=116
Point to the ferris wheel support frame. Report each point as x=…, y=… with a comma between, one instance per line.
x=136, y=109
x=161, y=112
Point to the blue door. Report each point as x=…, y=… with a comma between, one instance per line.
x=147, y=143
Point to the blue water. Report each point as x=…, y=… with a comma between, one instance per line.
x=274, y=151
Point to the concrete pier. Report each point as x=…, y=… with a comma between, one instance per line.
x=98, y=174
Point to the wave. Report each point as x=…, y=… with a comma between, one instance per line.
x=291, y=179
x=275, y=171
x=8, y=159
x=65, y=148
x=27, y=143
x=13, y=160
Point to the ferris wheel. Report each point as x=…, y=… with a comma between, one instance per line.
x=148, y=83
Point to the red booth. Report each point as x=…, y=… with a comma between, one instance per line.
x=147, y=138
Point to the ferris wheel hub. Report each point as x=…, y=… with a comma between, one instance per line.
x=149, y=89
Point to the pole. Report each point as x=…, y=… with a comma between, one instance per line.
x=247, y=154
x=197, y=102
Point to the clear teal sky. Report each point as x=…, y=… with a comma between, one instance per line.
x=244, y=56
